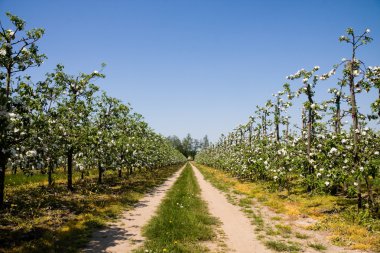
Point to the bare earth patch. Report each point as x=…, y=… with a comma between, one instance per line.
x=281, y=227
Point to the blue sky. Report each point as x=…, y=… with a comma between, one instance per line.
x=198, y=66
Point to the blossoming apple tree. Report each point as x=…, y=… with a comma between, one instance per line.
x=64, y=121
x=324, y=156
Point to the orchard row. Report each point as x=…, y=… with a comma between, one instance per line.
x=320, y=154
x=65, y=120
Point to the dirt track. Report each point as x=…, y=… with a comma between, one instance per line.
x=240, y=236
x=125, y=234
x=237, y=232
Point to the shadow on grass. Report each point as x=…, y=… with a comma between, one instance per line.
x=108, y=236
x=52, y=219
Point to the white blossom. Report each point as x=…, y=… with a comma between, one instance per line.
x=31, y=153
x=10, y=32
x=25, y=50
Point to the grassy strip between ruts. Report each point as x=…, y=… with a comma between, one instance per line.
x=52, y=219
x=182, y=222
x=333, y=213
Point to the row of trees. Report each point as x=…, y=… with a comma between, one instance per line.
x=64, y=120
x=189, y=146
x=320, y=154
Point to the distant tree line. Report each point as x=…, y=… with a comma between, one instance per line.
x=189, y=146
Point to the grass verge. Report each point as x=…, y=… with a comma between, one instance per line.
x=182, y=222
x=282, y=246
x=335, y=214
x=317, y=246
x=52, y=219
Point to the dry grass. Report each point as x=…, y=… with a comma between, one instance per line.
x=330, y=211
x=52, y=219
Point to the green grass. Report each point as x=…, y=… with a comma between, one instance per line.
x=280, y=246
x=182, y=221
x=37, y=178
x=284, y=229
x=301, y=236
x=52, y=219
x=317, y=246
x=21, y=178
x=245, y=202
x=270, y=231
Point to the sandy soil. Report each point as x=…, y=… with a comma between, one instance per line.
x=298, y=225
x=124, y=235
x=235, y=234
x=239, y=233
x=271, y=220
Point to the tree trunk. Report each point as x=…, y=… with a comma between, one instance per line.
x=250, y=136
x=277, y=120
x=303, y=123
x=3, y=164
x=264, y=123
x=354, y=114
x=119, y=173
x=8, y=80
x=277, y=133
x=360, y=199
x=70, y=153
x=100, y=173
x=287, y=131
x=337, y=116
x=310, y=167
x=50, y=171
x=370, y=193
x=378, y=112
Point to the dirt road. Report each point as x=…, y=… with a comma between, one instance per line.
x=125, y=234
x=240, y=236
